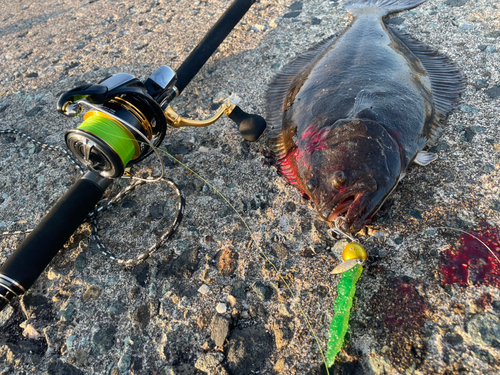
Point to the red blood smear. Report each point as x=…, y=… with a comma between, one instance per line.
x=404, y=308
x=472, y=263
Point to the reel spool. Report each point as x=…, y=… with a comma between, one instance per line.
x=103, y=144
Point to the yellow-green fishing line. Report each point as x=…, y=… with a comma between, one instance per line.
x=114, y=134
x=340, y=322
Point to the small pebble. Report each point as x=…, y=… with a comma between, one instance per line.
x=69, y=341
x=221, y=308
x=232, y=300
x=30, y=332
x=152, y=290
x=376, y=233
x=6, y=314
x=91, y=293
x=204, y=289
x=51, y=275
x=66, y=312
x=382, y=253
x=207, y=362
x=124, y=363
x=468, y=108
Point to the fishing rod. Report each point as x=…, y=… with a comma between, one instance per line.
x=124, y=112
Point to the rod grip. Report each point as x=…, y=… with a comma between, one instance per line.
x=29, y=260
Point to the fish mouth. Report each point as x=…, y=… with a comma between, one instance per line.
x=342, y=207
x=351, y=204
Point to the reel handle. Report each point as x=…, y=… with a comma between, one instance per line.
x=251, y=126
x=29, y=260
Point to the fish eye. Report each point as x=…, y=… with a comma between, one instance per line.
x=312, y=183
x=338, y=179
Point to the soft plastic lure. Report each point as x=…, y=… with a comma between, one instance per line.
x=353, y=255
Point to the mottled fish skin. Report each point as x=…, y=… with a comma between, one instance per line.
x=349, y=116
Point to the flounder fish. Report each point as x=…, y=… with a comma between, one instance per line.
x=348, y=116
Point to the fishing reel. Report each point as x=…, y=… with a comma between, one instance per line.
x=128, y=119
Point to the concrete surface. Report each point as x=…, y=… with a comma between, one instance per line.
x=210, y=284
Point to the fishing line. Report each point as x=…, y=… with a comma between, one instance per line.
x=43, y=146
x=105, y=129
x=473, y=236
x=167, y=234
x=46, y=146
x=309, y=325
x=467, y=233
x=117, y=136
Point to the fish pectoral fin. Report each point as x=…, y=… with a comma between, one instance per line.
x=424, y=158
x=364, y=100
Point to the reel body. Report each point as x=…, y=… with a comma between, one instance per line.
x=109, y=139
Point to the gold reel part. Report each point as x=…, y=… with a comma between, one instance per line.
x=176, y=121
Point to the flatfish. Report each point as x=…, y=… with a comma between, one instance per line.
x=348, y=116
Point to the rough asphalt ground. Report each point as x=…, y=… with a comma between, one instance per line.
x=208, y=302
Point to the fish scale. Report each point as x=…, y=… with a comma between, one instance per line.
x=364, y=104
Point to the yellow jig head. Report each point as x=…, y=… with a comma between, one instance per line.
x=354, y=251
x=352, y=254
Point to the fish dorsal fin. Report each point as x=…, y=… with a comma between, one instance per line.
x=424, y=158
x=280, y=84
x=447, y=81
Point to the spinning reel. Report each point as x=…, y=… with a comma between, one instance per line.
x=129, y=118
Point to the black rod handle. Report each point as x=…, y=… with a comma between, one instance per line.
x=199, y=56
x=29, y=260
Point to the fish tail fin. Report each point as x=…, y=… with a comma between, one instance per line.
x=380, y=7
